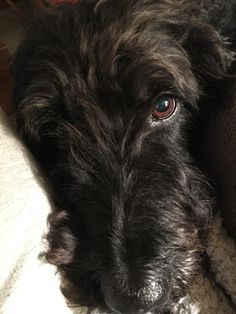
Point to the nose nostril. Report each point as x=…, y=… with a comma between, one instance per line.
x=141, y=300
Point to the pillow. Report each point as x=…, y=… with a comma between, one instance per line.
x=219, y=153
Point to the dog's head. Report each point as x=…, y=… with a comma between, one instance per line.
x=107, y=93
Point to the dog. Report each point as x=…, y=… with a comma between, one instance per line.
x=112, y=98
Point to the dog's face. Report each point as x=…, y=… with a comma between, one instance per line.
x=106, y=101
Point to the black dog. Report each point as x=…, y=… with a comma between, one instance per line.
x=107, y=95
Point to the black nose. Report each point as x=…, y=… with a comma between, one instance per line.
x=135, y=301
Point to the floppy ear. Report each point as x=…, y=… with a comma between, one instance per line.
x=212, y=64
x=210, y=57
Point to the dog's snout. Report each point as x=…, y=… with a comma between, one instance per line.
x=136, y=301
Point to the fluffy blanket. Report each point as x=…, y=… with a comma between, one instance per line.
x=214, y=291
x=29, y=285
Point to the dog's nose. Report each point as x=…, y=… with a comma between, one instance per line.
x=142, y=300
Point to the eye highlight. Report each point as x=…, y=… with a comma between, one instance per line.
x=163, y=107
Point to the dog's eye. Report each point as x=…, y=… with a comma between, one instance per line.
x=163, y=107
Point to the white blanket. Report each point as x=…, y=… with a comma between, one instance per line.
x=30, y=286
x=27, y=285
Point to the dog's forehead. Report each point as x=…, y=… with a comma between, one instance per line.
x=129, y=47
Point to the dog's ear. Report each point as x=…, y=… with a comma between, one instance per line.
x=210, y=55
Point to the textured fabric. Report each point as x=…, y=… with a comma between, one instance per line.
x=30, y=286
x=214, y=292
x=27, y=285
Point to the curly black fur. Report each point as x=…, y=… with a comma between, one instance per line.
x=131, y=203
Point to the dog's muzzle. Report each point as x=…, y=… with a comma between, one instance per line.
x=142, y=300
